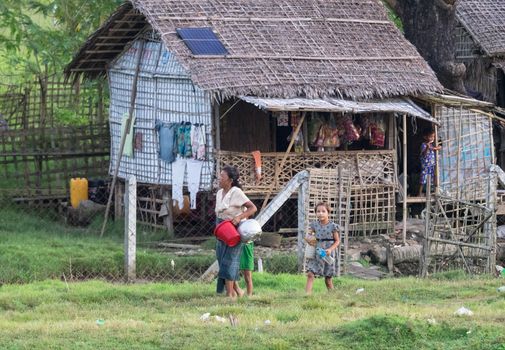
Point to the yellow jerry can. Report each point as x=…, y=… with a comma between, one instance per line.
x=78, y=191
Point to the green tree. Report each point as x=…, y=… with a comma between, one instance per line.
x=40, y=36
x=430, y=26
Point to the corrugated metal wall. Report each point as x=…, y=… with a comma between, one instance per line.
x=165, y=92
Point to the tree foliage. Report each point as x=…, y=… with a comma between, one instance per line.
x=430, y=26
x=40, y=36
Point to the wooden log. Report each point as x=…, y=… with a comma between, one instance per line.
x=412, y=253
x=400, y=254
x=500, y=252
x=211, y=273
x=270, y=239
x=178, y=245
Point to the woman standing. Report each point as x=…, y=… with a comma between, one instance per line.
x=231, y=204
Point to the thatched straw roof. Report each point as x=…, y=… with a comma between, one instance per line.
x=485, y=21
x=281, y=48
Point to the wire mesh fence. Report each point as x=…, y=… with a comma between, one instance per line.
x=47, y=238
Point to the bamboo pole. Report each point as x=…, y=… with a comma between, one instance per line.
x=281, y=165
x=458, y=162
x=133, y=96
x=405, y=209
x=437, y=158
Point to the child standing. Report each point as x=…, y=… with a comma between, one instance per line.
x=327, y=237
x=427, y=158
x=247, y=265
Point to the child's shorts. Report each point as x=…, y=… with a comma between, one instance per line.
x=247, y=257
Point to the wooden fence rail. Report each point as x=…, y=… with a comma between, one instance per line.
x=41, y=161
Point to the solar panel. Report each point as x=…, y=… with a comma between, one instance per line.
x=202, y=41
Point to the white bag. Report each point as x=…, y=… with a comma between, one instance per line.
x=249, y=230
x=310, y=251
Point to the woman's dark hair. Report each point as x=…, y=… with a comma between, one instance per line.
x=233, y=174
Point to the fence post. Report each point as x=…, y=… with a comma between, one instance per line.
x=130, y=234
x=424, y=260
x=490, y=225
x=168, y=218
x=302, y=223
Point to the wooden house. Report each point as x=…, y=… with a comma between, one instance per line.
x=480, y=44
x=258, y=74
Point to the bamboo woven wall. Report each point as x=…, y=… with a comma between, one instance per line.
x=466, y=154
x=369, y=167
x=165, y=93
x=373, y=187
x=461, y=220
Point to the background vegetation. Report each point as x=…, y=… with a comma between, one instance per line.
x=39, y=37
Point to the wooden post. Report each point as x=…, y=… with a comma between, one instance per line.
x=489, y=226
x=458, y=159
x=130, y=232
x=391, y=132
x=216, y=130
x=341, y=221
x=26, y=99
x=118, y=200
x=437, y=158
x=306, y=135
x=405, y=209
x=100, y=102
x=302, y=224
x=389, y=259
x=168, y=219
x=425, y=256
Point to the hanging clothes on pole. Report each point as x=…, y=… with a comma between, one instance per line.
x=194, y=173
x=198, y=141
x=178, y=172
x=128, y=143
x=184, y=140
x=167, y=140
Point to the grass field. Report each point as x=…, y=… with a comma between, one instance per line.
x=50, y=313
x=390, y=314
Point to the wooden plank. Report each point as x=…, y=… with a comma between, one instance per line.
x=364, y=273
x=413, y=200
x=178, y=245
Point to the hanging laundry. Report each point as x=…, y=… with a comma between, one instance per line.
x=198, y=141
x=194, y=173
x=178, y=172
x=137, y=142
x=257, y=165
x=184, y=140
x=167, y=140
x=283, y=119
x=128, y=144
